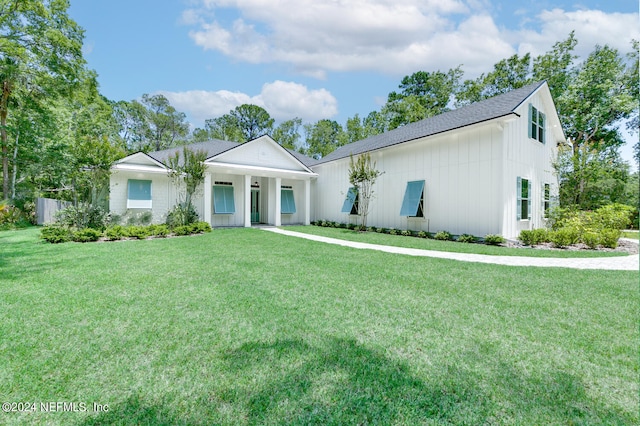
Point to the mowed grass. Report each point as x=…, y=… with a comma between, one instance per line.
x=245, y=327
x=448, y=246
x=631, y=234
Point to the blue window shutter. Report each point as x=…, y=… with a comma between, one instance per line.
x=519, y=198
x=530, y=122
x=351, y=198
x=287, y=202
x=139, y=189
x=412, y=196
x=223, y=200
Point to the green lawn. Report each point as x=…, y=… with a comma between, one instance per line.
x=243, y=326
x=631, y=234
x=449, y=246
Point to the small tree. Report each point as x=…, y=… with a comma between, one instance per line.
x=363, y=175
x=188, y=173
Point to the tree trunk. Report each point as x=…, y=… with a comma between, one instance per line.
x=4, y=102
x=14, y=172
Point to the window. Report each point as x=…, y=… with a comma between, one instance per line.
x=524, y=199
x=413, y=203
x=223, y=202
x=138, y=194
x=546, y=199
x=536, y=124
x=351, y=202
x=287, y=203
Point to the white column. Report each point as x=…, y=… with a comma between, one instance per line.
x=307, y=202
x=207, y=198
x=278, y=218
x=247, y=201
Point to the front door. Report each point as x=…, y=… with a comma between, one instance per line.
x=255, y=206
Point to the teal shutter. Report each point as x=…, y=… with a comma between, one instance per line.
x=542, y=129
x=530, y=122
x=412, y=196
x=519, y=198
x=350, y=200
x=223, y=200
x=139, y=189
x=287, y=202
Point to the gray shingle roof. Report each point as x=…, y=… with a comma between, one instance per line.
x=212, y=148
x=489, y=109
x=215, y=147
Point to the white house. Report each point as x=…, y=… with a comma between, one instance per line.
x=482, y=169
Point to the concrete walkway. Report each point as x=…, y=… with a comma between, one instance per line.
x=619, y=263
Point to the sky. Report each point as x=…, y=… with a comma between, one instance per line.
x=317, y=59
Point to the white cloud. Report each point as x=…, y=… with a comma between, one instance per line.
x=396, y=37
x=282, y=100
x=592, y=27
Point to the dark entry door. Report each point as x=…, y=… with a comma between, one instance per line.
x=255, y=206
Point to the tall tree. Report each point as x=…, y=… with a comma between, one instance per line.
x=423, y=95
x=253, y=121
x=287, y=133
x=595, y=101
x=132, y=121
x=243, y=123
x=508, y=74
x=166, y=126
x=40, y=50
x=322, y=138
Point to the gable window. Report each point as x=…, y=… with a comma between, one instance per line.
x=524, y=199
x=287, y=203
x=351, y=202
x=413, y=203
x=536, y=124
x=138, y=194
x=546, y=199
x=223, y=201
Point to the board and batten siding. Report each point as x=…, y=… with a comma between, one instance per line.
x=233, y=219
x=463, y=183
x=529, y=159
x=163, y=196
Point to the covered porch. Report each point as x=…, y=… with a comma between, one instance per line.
x=244, y=195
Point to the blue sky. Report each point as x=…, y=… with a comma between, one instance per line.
x=318, y=59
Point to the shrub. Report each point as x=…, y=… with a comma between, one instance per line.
x=116, y=232
x=200, y=227
x=466, y=238
x=182, y=230
x=55, y=234
x=9, y=215
x=422, y=234
x=139, y=232
x=534, y=237
x=158, y=230
x=443, y=236
x=591, y=239
x=564, y=237
x=371, y=229
x=609, y=237
x=380, y=230
x=181, y=214
x=493, y=239
x=406, y=233
x=614, y=216
x=393, y=231
x=82, y=216
x=139, y=218
x=86, y=235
